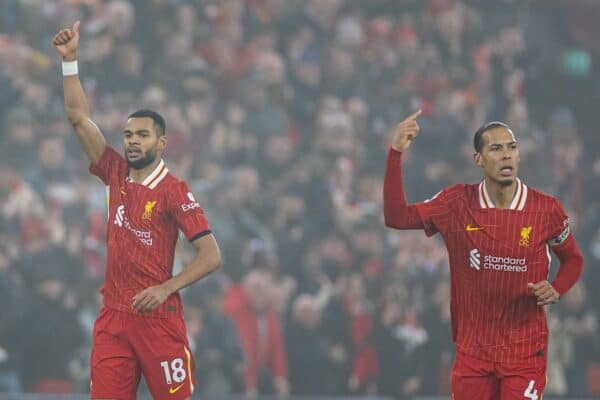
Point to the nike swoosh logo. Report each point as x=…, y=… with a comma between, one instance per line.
x=473, y=228
x=174, y=390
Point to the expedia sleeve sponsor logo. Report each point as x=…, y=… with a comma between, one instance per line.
x=507, y=264
x=189, y=206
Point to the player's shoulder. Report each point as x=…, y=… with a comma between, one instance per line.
x=172, y=183
x=111, y=160
x=110, y=155
x=540, y=201
x=174, y=187
x=453, y=194
x=460, y=190
x=171, y=180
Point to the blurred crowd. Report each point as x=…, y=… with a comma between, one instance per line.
x=278, y=116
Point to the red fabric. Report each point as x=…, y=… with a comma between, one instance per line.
x=120, y=354
x=142, y=231
x=594, y=379
x=494, y=254
x=271, y=354
x=55, y=386
x=476, y=379
x=365, y=365
x=396, y=212
x=94, y=245
x=571, y=265
x=491, y=300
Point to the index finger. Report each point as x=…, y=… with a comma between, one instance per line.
x=536, y=286
x=414, y=115
x=75, y=28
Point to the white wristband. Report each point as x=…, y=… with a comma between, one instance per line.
x=69, y=68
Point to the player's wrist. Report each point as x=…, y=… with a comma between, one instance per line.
x=70, y=68
x=70, y=57
x=169, y=287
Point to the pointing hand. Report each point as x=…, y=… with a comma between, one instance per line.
x=405, y=132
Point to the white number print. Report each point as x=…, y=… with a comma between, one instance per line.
x=529, y=392
x=178, y=373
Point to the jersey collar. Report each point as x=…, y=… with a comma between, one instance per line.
x=155, y=177
x=518, y=203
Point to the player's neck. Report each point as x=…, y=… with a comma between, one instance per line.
x=501, y=195
x=138, y=175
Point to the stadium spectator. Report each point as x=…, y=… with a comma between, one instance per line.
x=316, y=176
x=261, y=334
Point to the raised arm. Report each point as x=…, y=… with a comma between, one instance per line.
x=396, y=212
x=91, y=139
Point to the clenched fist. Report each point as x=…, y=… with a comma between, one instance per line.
x=65, y=42
x=545, y=292
x=405, y=132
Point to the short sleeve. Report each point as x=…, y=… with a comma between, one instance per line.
x=559, y=229
x=109, y=161
x=188, y=213
x=434, y=212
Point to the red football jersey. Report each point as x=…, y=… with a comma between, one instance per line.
x=494, y=253
x=143, y=227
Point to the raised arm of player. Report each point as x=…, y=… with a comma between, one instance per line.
x=207, y=260
x=396, y=212
x=78, y=111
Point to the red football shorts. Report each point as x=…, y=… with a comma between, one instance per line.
x=127, y=345
x=484, y=380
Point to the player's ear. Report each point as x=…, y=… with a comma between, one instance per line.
x=477, y=159
x=162, y=142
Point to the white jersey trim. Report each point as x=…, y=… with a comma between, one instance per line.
x=518, y=202
x=107, y=202
x=155, y=177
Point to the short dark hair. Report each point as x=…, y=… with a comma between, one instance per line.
x=478, y=138
x=159, y=121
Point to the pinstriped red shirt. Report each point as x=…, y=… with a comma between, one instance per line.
x=493, y=254
x=144, y=220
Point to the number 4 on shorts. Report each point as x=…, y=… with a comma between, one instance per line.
x=530, y=393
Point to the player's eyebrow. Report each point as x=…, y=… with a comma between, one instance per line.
x=502, y=143
x=138, y=131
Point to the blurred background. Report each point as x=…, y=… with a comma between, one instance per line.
x=278, y=115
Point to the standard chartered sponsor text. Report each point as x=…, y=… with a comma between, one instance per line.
x=120, y=219
x=508, y=264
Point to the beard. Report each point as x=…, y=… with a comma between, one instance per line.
x=506, y=181
x=142, y=162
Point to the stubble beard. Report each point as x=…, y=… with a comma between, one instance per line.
x=504, y=182
x=142, y=162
